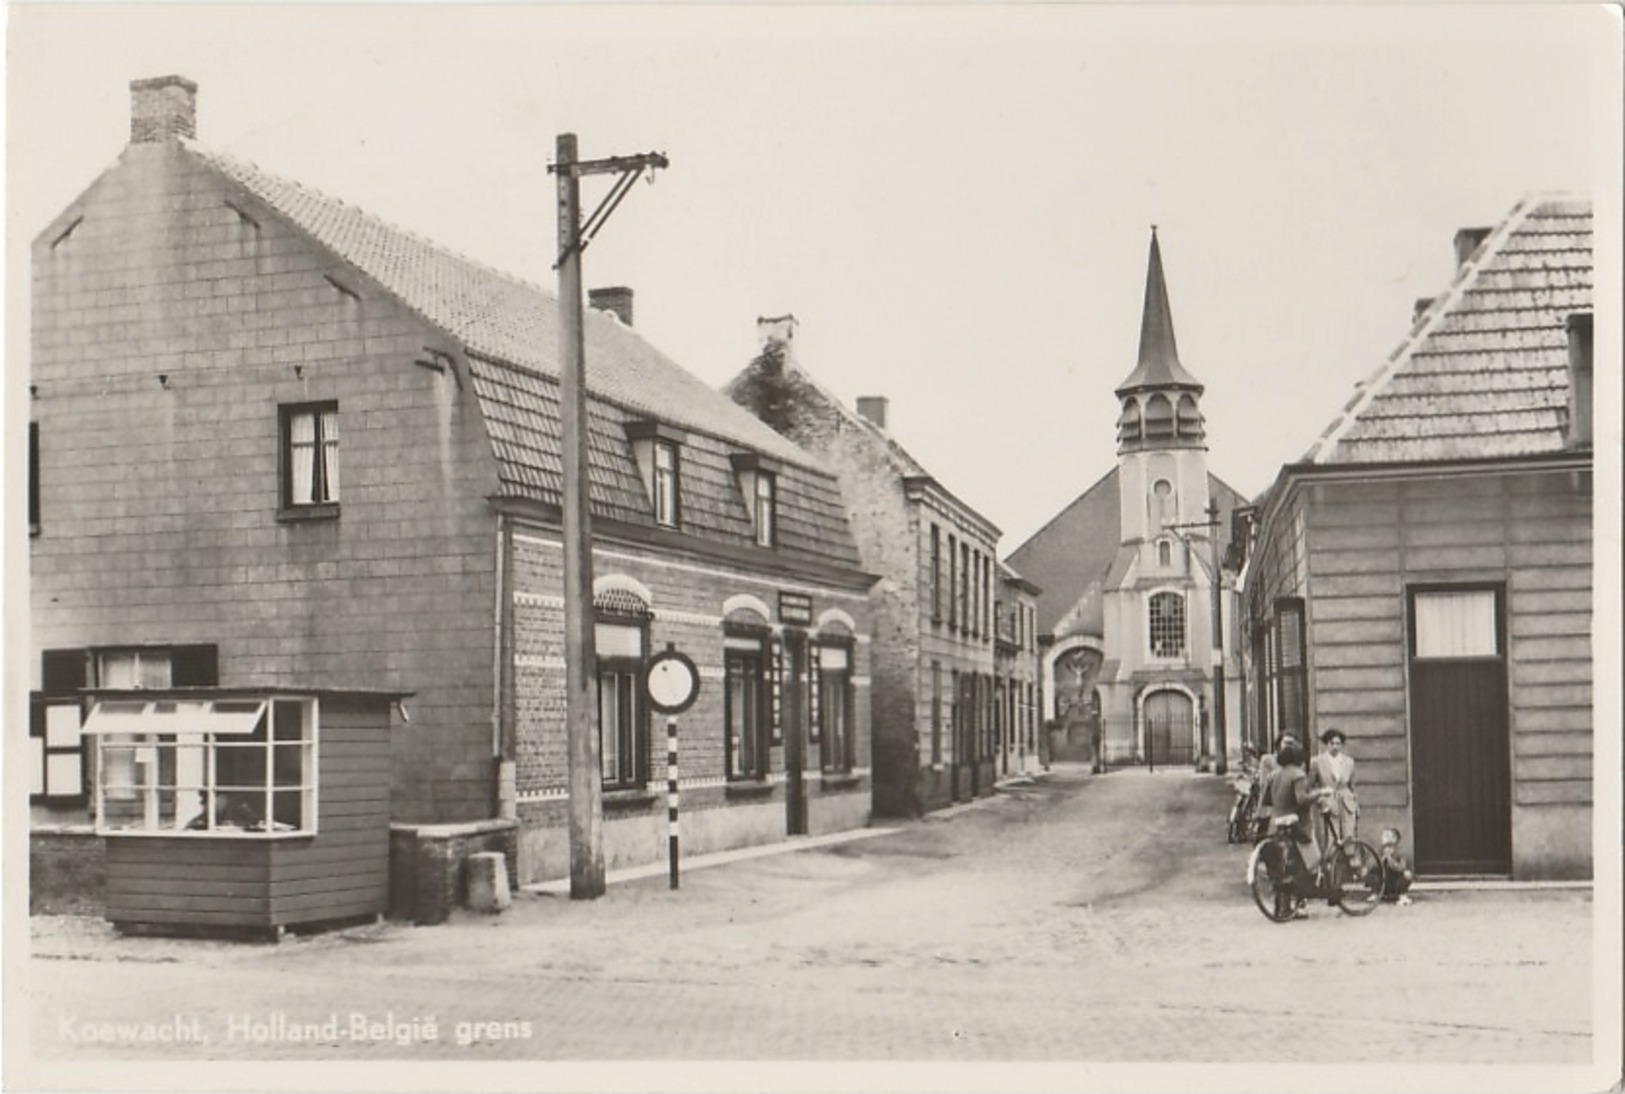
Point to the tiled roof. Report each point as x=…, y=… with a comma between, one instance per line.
x=510, y=331
x=502, y=317
x=1484, y=373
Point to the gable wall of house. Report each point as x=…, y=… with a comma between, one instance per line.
x=1527, y=531
x=160, y=498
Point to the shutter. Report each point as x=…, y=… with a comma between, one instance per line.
x=776, y=655
x=814, y=712
x=195, y=666
x=62, y=672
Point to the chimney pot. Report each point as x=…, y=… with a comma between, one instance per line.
x=1467, y=241
x=615, y=299
x=1579, y=332
x=873, y=407
x=162, y=108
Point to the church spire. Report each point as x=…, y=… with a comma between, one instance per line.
x=1159, y=356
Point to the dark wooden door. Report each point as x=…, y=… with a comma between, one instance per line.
x=1460, y=745
x=1167, y=729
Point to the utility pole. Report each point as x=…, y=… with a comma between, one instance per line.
x=580, y=659
x=1220, y=766
x=1221, y=746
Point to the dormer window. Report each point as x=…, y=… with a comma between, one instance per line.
x=657, y=447
x=766, y=508
x=666, y=484
x=759, y=487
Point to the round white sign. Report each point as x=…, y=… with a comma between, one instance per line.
x=672, y=682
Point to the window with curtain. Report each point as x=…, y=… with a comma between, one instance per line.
x=837, y=749
x=623, y=720
x=665, y=454
x=1456, y=623
x=766, y=508
x=745, y=708
x=1291, y=680
x=310, y=466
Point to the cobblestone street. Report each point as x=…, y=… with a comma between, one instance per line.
x=1076, y=918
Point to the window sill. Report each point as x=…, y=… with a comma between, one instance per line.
x=628, y=799
x=748, y=788
x=299, y=514
x=190, y=834
x=840, y=780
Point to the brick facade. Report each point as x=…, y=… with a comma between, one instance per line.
x=896, y=508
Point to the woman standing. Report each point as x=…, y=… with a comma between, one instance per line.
x=1332, y=769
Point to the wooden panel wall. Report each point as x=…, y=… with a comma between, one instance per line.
x=202, y=882
x=1529, y=531
x=344, y=870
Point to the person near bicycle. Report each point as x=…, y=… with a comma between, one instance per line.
x=1332, y=769
x=1292, y=801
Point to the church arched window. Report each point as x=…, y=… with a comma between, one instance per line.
x=1159, y=418
x=1190, y=419
x=1166, y=625
x=1165, y=553
x=1128, y=423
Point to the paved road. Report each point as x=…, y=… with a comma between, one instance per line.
x=1079, y=918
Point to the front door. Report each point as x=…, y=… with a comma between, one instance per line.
x=1167, y=729
x=1460, y=745
x=794, y=713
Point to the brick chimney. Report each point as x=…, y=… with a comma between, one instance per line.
x=1579, y=331
x=1467, y=241
x=615, y=299
x=873, y=407
x=776, y=328
x=162, y=109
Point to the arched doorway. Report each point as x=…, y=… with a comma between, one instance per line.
x=1167, y=719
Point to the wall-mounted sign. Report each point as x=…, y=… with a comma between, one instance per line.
x=795, y=609
x=671, y=681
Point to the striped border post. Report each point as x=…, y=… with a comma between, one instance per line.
x=671, y=797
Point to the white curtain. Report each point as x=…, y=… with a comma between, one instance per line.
x=330, y=453
x=302, y=459
x=1456, y=624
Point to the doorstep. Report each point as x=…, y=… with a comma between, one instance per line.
x=687, y=863
x=1493, y=885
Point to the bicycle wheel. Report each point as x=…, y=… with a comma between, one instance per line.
x=1234, y=829
x=1356, y=878
x=1267, y=877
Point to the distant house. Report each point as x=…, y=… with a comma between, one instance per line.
x=1017, y=736
x=1422, y=578
x=280, y=443
x=937, y=684
x=1126, y=615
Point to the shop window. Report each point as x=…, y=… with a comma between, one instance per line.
x=834, y=708
x=745, y=707
x=1166, y=628
x=310, y=460
x=623, y=718
x=228, y=766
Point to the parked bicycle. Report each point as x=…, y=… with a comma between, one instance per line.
x=1244, y=809
x=1350, y=875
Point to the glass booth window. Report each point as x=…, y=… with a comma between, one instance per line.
x=205, y=767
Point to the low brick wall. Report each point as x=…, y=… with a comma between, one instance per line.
x=67, y=871
x=428, y=864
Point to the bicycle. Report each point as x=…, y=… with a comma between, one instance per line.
x=1350, y=875
x=1239, y=824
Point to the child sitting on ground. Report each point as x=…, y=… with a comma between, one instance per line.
x=1397, y=875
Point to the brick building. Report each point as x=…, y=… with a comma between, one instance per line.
x=208, y=338
x=936, y=699
x=1422, y=578
x=1131, y=669
x=1016, y=730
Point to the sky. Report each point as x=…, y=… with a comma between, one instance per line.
x=955, y=201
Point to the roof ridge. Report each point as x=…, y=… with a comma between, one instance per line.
x=1378, y=380
x=221, y=157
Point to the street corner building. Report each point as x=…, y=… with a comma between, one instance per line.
x=1136, y=666
x=955, y=649
x=284, y=452
x=1422, y=578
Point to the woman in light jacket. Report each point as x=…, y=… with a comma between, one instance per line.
x=1333, y=769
